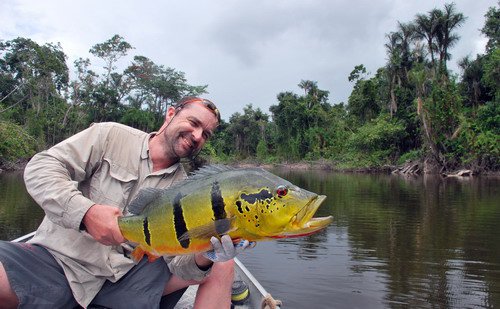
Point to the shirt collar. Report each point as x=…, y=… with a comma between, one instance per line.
x=145, y=145
x=169, y=170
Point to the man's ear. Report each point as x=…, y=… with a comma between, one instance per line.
x=170, y=113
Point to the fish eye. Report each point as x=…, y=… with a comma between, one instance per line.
x=281, y=191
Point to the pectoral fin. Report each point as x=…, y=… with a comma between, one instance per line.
x=215, y=228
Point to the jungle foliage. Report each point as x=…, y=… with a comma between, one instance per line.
x=412, y=108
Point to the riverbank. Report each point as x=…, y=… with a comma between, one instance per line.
x=13, y=166
x=413, y=168
x=314, y=165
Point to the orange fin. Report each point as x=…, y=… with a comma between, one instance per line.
x=152, y=257
x=138, y=253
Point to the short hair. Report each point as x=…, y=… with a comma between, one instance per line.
x=207, y=103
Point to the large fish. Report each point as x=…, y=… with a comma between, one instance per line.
x=248, y=203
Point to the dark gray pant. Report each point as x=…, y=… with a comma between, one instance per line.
x=39, y=282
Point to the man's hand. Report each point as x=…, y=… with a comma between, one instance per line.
x=224, y=250
x=101, y=222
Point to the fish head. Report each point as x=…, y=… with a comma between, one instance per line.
x=271, y=207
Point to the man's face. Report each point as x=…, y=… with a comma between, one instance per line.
x=188, y=129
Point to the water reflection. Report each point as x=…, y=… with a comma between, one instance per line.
x=411, y=242
x=307, y=248
x=18, y=212
x=395, y=242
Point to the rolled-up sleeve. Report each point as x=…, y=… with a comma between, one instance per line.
x=52, y=176
x=184, y=266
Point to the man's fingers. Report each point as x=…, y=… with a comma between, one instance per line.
x=224, y=249
x=241, y=246
x=216, y=244
x=227, y=244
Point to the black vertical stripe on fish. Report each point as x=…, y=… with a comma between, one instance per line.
x=222, y=226
x=180, y=223
x=217, y=202
x=147, y=234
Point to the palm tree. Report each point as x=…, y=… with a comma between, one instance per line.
x=436, y=29
x=311, y=89
x=420, y=78
x=426, y=29
x=392, y=66
x=306, y=85
x=447, y=21
x=400, y=62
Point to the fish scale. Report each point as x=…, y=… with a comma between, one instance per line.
x=248, y=203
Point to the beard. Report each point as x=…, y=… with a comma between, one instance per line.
x=182, y=146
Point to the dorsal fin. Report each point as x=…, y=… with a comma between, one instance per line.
x=209, y=170
x=205, y=171
x=143, y=199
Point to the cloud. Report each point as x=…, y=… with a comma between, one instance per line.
x=246, y=51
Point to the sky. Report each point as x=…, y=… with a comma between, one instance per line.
x=245, y=51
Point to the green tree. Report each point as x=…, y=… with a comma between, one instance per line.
x=376, y=142
x=299, y=123
x=477, y=142
x=426, y=27
x=491, y=76
x=475, y=91
x=104, y=102
x=111, y=51
x=221, y=142
x=436, y=29
x=491, y=28
x=400, y=61
x=448, y=20
x=15, y=144
x=246, y=130
x=33, y=78
x=359, y=73
x=420, y=77
x=155, y=87
x=139, y=118
x=362, y=104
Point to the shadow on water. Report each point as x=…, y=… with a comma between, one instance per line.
x=395, y=242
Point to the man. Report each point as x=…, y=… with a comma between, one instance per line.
x=83, y=184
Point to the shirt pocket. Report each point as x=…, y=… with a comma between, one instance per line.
x=112, y=184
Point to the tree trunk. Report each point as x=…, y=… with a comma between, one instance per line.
x=393, y=108
x=431, y=163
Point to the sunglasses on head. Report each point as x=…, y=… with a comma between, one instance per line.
x=207, y=103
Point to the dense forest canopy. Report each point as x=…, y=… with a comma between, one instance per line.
x=413, y=108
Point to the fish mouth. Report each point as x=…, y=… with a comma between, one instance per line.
x=303, y=223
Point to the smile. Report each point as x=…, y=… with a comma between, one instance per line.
x=187, y=143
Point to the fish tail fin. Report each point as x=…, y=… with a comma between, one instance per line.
x=138, y=253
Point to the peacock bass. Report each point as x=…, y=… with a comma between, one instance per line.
x=248, y=203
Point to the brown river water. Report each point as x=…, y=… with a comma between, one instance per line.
x=395, y=242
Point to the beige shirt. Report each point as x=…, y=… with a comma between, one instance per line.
x=105, y=164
